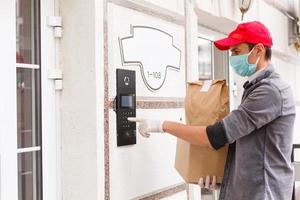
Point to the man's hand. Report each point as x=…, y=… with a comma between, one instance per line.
x=208, y=183
x=147, y=126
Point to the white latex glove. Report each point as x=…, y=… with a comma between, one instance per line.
x=208, y=183
x=147, y=126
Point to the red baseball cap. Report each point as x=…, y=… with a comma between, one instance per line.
x=249, y=32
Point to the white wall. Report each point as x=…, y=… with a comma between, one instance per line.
x=148, y=166
x=82, y=100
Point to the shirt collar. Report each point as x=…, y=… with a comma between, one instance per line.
x=256, y=74
x=259, y=75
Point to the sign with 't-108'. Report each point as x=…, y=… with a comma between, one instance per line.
x=153, y=51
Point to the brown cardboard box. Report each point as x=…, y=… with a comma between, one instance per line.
x=203, y=106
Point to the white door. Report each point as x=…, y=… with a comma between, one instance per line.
x=8, y=125
x=37, y=119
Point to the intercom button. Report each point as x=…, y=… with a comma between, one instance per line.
x=126, y=134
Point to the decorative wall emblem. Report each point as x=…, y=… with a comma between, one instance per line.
x=153, y=51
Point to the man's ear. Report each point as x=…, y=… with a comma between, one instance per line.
x=260, y=49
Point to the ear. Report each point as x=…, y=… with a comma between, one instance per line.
x=260, y=49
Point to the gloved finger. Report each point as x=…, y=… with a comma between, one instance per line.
x=134, y=119
x=143, y=132
x=147, y=135
x=200, y=182
x=207, y=182
x=214, y=182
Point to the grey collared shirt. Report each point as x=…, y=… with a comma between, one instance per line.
x=259, y=133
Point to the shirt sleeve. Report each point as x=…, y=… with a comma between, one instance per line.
x=262, y=106
x=216, y=135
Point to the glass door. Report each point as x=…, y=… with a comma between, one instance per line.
x=212, y=63
x=28, y=100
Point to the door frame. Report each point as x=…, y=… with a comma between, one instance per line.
x=50, y=107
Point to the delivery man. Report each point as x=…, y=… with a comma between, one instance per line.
x=259, y=131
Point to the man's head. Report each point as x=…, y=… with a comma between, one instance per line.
x=250, y=45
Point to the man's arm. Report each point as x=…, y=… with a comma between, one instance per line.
x=193, y=134
x=212, y=136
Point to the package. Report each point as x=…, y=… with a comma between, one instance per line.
x=205, y=103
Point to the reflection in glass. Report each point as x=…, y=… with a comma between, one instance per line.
x=29, y=176
x=204, y=59
x=28, y=107
x=27, y=31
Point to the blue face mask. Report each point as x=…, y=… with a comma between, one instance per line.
x=241, y=66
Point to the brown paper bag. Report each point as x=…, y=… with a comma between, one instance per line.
x=203, y=106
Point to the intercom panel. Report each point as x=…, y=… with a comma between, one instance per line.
x=125, y=107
